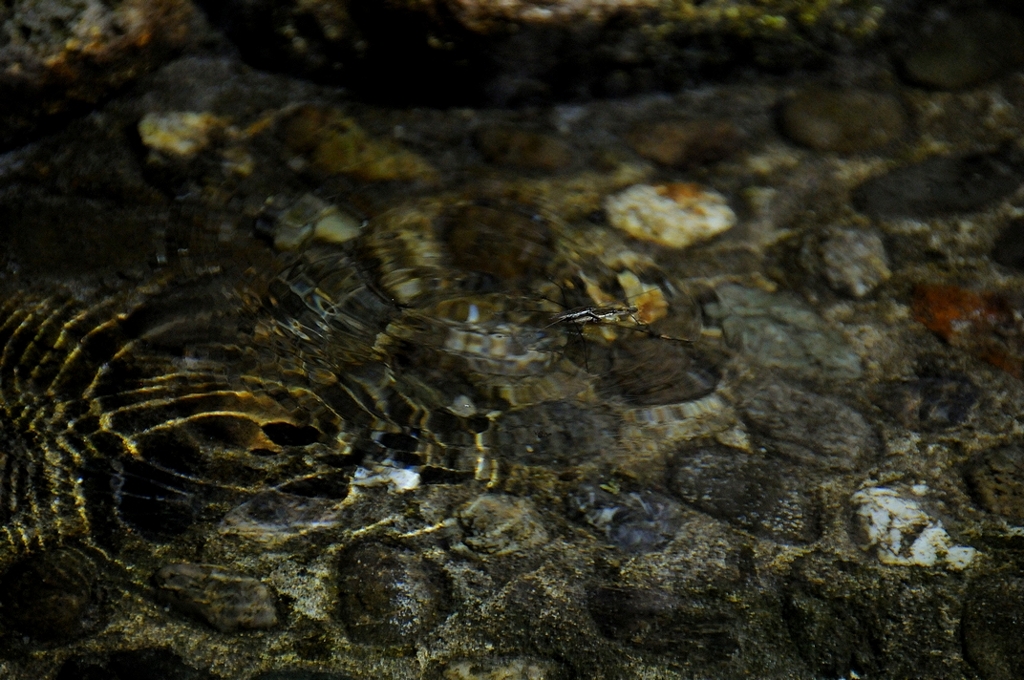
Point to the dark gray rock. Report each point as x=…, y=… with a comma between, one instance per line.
x=942, y=185
x=768, y=497
x=807, y=428
x=779, y=330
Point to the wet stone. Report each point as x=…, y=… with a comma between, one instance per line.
x=272, y=514
x=780, y=330
x=898, y=525
x=557, y=433
x=767, y=497
x=933, y=403
x=635, y=521
x=807, y=428
x=1008, y=249
x=227, y=601
x=845, y=121
x=941, y=185
x=993, y=626
x=389, y=596
x=503, y=145
x=996, y=478
x=661, y=621
x=648, y=371
x=54, y=595
x=854, y=261
x=519, y=668
x=495, y=524
x=684, y=143
x=674, y=215
x=965, y=50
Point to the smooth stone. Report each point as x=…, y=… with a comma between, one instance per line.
x=807, y=428
x=765, y=496
x=941, y=185
x=389, y=596
x=845, y=121
x=684, y=143
x=227, y=601
x=966, y=50
x=780, y=330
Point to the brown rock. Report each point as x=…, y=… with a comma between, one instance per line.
x=59, y=57
x=684, y=142
x=847, y=121
x=503, y=145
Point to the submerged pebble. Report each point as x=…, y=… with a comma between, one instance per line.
x=135, y=664
x=389, y=596
x=965, y=49
x=933, y=403
x=987, y=324
x=768, y=497
x=274, y=514
x=635, y=522
x=941, y=185
x=661, y=621
x=496, y=524
x=1008, y=249
x=684, y=143
x=781, y=331
x=180, y=134
x=808, y=428
x=227, y=601
x=336, y=144
x=673, y=215
x=846, y=121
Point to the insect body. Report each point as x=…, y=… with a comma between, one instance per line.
x=585, y=315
